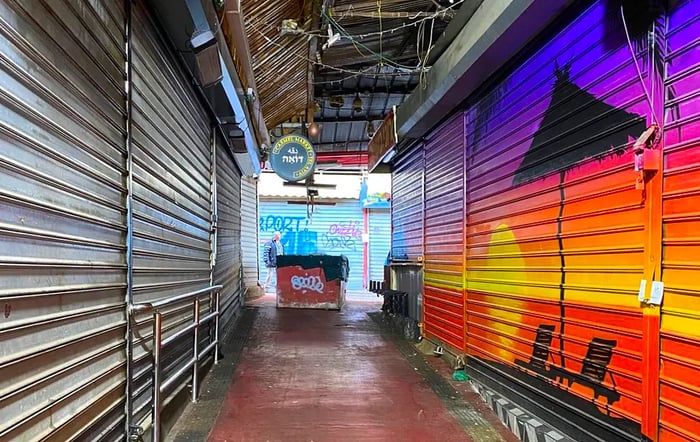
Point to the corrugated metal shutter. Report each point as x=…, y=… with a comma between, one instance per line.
x=555, y=234
x=62, y=230
x=333, y=230
x=249, y=231
x=443, y=277
x=379, y=242
x=407, y=205
x=680, y=317
x=227, y=270
x=172, y=198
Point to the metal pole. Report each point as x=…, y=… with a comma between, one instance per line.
x=195, y=366
x=157, y=340
x=129, y=223
x=216, y=327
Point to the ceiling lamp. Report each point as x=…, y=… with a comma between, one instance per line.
x=357, y=104
x=336, y=101
x=314, y=129
x=370, y=129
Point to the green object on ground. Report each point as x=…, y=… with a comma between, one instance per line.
x=460, y=375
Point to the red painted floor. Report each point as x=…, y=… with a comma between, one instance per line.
x=310, y=375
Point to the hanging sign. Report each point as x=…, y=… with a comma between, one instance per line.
x=383, y=141
x=293, y=158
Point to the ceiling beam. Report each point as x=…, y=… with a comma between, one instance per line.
x=349, y=11
x=353, y=119
x=340, y=143
x=398, y=90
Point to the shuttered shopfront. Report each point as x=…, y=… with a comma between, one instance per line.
x=172, y=198
x=559, y=233
x=334, y=229
x=379, y=242
x=74, y=195
x=62, y=128
x=679, y=412
x=407, y=205
x=228, y=269
x=249, y=231
x=443, y=277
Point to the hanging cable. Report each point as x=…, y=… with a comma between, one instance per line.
x=639, y=71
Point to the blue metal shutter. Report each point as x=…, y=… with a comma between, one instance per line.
x=379, y=242
x=407, y=205
x=333, y=230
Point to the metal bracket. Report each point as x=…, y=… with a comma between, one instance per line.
x=136, y=434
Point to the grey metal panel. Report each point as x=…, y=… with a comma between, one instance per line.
x=62, y=268
x=407, y=205
x=379, y=242
x=228, y=269
x=249, y=230
x=332, y=229
x=172, y=198
x=408, y=277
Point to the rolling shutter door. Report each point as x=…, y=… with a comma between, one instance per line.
x=379, y=242
x=63, y=272
x=249, y=231
x=556, y=231
x=333, y=229
x=407, y=205
x=443, y=277
x=172, y=200
x=680, y=316
x=227, y=271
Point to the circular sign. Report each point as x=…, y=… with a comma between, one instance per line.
x=293, y=158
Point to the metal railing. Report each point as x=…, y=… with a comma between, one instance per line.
x=159, y=384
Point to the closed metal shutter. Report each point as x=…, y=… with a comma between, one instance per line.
x=443, y=277
x=249, y=231
x=556, y=231
x=227, y=270
x=379, y=242
x=172, y=200
x=62, y=230
x=332, y=229
x=679, y=412
x=407, y=206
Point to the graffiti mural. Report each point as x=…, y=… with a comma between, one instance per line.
x=346, y=236
x=333, y=230
x=557, y=228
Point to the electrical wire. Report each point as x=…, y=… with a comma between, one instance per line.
x=353, y=74
x=382, y=59
x=650, y=100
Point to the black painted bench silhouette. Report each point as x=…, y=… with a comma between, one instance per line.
x=540, y=351
x=595, y=369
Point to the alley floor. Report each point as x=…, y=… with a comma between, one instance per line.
x=313, y=375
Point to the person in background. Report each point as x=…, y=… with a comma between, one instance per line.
x=273, y=249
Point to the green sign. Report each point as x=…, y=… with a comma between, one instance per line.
x=293, y=158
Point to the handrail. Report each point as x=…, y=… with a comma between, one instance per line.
x=159, y=384
x=149, y=306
